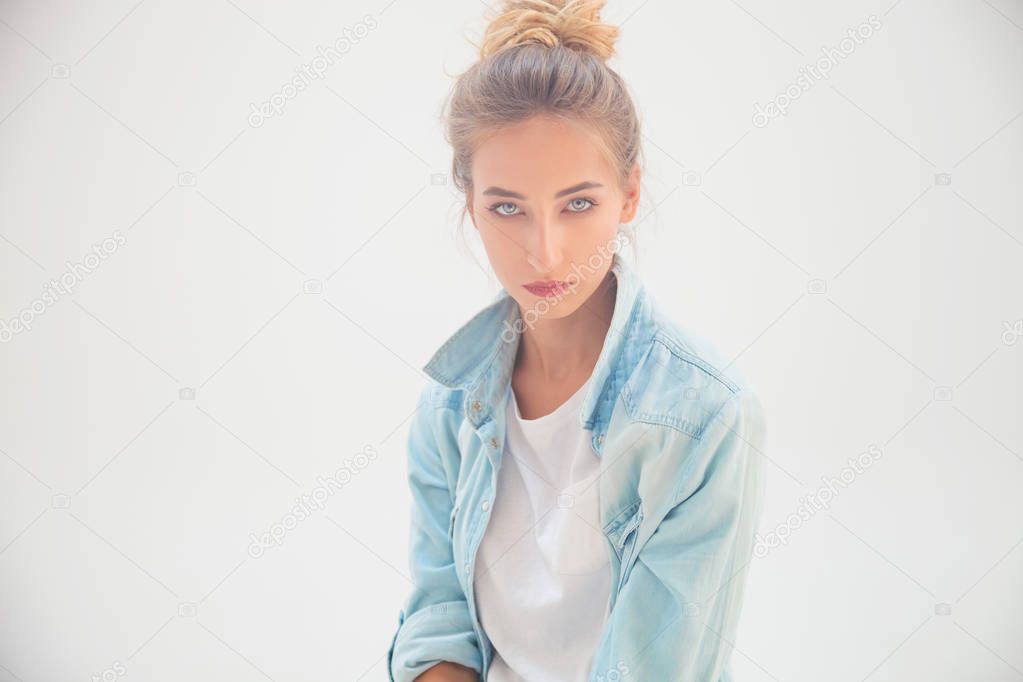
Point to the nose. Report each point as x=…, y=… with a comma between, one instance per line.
x=545, y=250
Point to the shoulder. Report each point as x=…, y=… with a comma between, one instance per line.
x=438, y=412
x=434, y=396
x=432, y=451
x=685, y=382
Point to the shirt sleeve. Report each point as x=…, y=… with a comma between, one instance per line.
x=676, y=615
x=434, y=625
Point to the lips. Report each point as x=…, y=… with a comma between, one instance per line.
x=545, y=288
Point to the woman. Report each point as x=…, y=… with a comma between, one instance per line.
x=585, y=477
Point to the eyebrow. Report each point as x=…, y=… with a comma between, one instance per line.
x=498, y=191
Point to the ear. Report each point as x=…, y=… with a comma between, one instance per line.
x=631, y=204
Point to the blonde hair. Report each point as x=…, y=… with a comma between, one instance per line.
x=543, y=57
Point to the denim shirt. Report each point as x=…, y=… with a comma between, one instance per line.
x=680, y=443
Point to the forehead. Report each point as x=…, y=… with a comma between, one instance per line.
x=542, y=152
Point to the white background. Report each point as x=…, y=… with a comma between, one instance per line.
x=871, y=303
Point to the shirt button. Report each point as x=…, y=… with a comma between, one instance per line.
x=493, y=443
x=600, y=438
x=486, y=505
x=476, y=406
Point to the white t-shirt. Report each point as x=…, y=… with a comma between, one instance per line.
x=543, y=579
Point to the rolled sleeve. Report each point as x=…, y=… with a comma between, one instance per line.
x=435, y=624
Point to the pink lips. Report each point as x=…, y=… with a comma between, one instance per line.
x=545, y=288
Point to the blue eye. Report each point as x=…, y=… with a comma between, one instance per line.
x=585, y=207
x=496, y=208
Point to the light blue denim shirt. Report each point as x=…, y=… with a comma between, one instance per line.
x=680, y=443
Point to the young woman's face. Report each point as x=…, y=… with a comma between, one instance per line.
x=547, y=206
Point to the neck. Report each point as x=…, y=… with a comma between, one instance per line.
x=557, y=349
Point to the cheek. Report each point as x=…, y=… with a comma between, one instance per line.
x=605, y=212
x=500, y=243
x=491, y=224
x=601, y=223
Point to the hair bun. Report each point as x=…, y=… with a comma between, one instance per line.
x=575, y=24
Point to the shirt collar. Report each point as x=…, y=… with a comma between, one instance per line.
x=480, y=356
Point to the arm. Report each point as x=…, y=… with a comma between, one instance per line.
x=449, y=672
x=434, y=625
x=675, y=617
